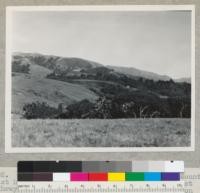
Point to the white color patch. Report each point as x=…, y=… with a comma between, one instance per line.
x=61, y=177
x=174, y=166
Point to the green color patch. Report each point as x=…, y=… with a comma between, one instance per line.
x=134, y=176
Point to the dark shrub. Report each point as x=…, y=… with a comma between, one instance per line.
x=37, y=110
x=80, y=109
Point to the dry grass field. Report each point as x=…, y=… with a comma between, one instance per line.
x=101, y=133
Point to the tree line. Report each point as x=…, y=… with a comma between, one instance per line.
x=106, y=108
x=168, y=87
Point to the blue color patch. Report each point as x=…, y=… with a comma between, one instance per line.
x=152, y=176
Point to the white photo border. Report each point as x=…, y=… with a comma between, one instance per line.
x=8, y=80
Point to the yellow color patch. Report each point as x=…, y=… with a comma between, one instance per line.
x=116, y=176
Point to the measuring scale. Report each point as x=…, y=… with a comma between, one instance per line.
x=100, y=187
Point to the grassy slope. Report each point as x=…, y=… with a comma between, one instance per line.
x=27, y=88
x=101, y=133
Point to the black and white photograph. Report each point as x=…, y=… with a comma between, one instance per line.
x=100, y=78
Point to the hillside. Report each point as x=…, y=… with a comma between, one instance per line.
x=54, y=62
x=79, y=82
x=140, y=73
x=32, y=87
x=64, y=64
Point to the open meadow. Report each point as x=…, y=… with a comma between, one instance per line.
x=101, y=133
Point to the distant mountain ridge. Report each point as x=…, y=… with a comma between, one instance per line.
x=140, y=73
x=188, y=80
x=77, y=64
x=60, y=80
x=55, y=62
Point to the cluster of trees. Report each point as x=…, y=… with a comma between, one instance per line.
x=168, y=88
x=107, y=108
x=120, y=96
x=37, y=110
x=18, y=67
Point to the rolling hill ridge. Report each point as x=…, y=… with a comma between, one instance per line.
x=60, y=80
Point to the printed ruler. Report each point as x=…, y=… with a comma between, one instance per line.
x=104, y=187
x=191, y=177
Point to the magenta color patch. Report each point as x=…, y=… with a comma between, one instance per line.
x=79, y=176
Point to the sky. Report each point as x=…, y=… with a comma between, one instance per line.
x=156, y=41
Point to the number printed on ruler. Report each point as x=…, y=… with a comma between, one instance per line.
x=98, y=187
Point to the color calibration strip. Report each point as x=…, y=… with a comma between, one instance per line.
x=110, y=176
x=99, y=171
x=100, y=166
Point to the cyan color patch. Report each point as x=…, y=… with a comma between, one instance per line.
x=152, y=176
